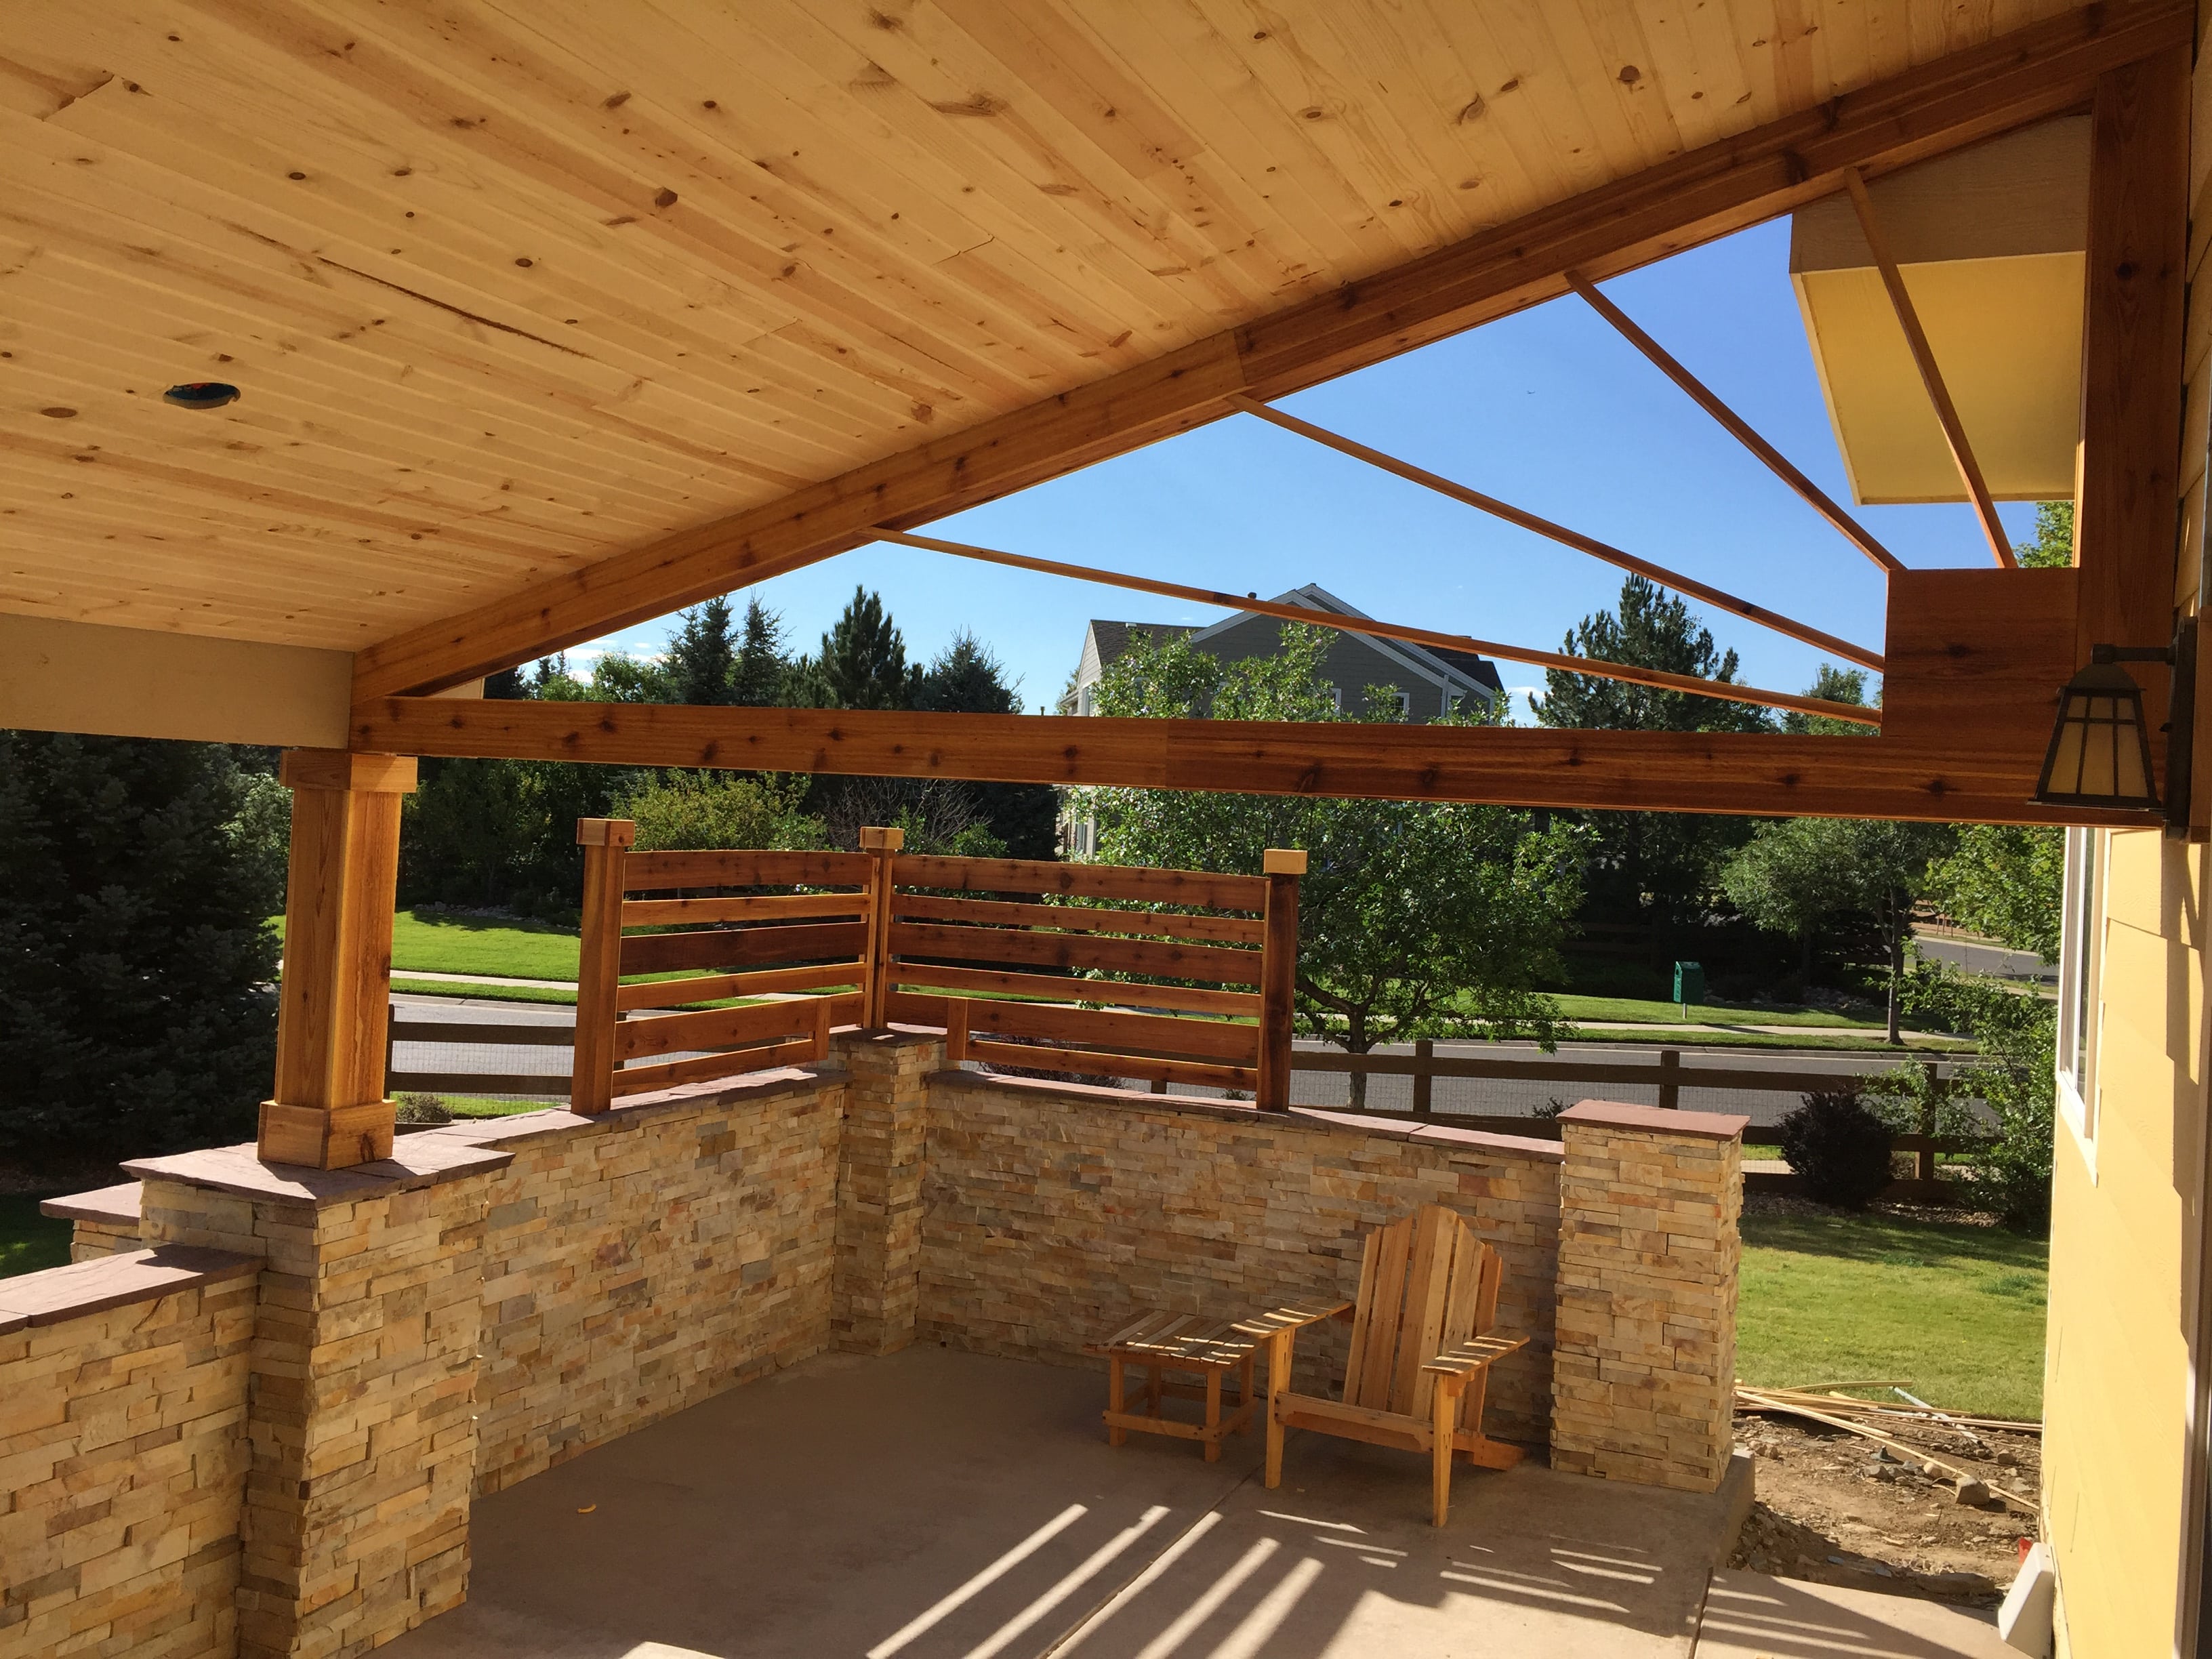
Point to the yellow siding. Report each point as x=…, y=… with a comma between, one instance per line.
x=2116, y=1381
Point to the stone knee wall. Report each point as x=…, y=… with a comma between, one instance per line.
x=1650, y=1249
x=122, y=1455
x=1054, y=1211
x=876, y=1292
x=637, y=1262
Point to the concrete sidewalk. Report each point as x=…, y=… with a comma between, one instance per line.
x=933, y=1504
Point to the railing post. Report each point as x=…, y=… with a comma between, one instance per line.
x=885, y=844
x=1670, y=1087
x=606, y=844
x=1279, y=975
x=327, y=1108
x=1425, y=1050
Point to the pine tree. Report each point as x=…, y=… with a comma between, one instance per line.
x=1658, y=871
x=761, y=669
x=863, y=663
x=702, y=658
x=967, y=678
x=135, y=1009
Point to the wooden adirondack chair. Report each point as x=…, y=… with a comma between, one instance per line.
x=1422, y=1347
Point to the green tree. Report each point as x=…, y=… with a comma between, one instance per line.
x=862, y=663
x=1832, y=685
x=701, y=666
x=757, y=677
x=618, y=677
x=1653, y=871
x=2016, y=1033
x=136, y=1012
x=2005, y=880
x=2053, y=545
x=968, y=678
x=680, y=809
x=1799, y=873
x=1414, y=919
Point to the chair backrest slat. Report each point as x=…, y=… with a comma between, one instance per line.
x=1367, y=1378
x=1426, y=1284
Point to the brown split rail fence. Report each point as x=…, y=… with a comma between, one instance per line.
x=1172, y=976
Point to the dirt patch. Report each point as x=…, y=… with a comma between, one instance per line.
x=1834, y=1508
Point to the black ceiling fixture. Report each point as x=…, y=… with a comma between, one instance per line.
x=201, y=394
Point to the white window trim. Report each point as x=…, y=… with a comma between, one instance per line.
x=2088, y=858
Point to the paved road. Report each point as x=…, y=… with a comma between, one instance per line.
x=1983, y=956
x=1482, y=1096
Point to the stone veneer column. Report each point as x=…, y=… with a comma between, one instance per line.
x=362, y=1396
x=1644, y=1369
x=876, y=1289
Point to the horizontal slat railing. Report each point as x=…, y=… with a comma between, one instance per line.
x=908, y=937
x=459, y=1033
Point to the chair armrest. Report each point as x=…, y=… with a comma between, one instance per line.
x=1290, y=1317
x=1462, y=1361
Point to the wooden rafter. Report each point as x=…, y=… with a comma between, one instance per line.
x=1878, y=777
x=1739, y=428
x=1566, y=538
x=1596, y=668
x=1923, y=357
x=1704, y=193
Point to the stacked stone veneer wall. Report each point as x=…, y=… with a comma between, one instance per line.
x=279, y=1456
x=123, y=1454
x=1644, y=1369
x=638, y=1262
x=1056, y=1211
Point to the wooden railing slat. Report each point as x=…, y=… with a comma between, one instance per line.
x=713, y=1028
x=1166, y=958
x=742, y=907
x=744, y=867
x=518, y=1037
x=1065, y=987
x=478, y=1083
x=1200, y=1074
x=1081, y=919
x=760, y=982
x=741, y=947
x=1164, y=1034
x=1195, y=888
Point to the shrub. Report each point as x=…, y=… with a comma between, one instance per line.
x=1839, y=1148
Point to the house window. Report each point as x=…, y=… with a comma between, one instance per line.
x=1083, y=704
x=2080, y=972
x=1335, y=695
x=1405, y=705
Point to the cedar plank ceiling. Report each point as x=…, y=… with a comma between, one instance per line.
x=512, y=285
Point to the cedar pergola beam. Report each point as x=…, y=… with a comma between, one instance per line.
x=1737, y=427
x=1723, y=188
x=1923, y=358
x=1719, y=598
x=1595, y=667
x=1759, y=773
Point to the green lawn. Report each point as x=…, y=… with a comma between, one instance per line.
x=1953, y=1313
x=1631, y=1009
x=29, y=1241
x=432, y=943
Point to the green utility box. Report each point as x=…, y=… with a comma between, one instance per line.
x=1689, y=984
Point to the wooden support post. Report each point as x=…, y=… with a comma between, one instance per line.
x=606, y=843
x=1670, y=1087
x=1279, y=975
x=885, y=844
x=328, y=1108
x=1424, y=1081
x=955, y=1029
x=2127, y=515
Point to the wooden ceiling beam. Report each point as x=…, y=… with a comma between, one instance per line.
x=1595, y=667
x=1711, y=191
x=1931, y=376
x=1648, y=771
x=1538, y=526
x=1737, y=427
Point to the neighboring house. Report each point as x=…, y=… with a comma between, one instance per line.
x=1427, y=683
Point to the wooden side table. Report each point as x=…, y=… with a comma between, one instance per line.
x=1158, y=1343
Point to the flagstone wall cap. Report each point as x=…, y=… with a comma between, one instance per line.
x=113, y=1281
x=1536, y=1146
x=1658, y=1120
x=115, y=1206
x=423, y=1160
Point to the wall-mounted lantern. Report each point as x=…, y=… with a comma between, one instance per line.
x=2099, y=753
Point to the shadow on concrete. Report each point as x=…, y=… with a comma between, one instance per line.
x=934, y=1503
x=1751, y=1616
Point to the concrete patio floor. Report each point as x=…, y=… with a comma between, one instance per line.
x=933, y=1503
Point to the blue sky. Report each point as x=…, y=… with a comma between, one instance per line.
x=1549, y=409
